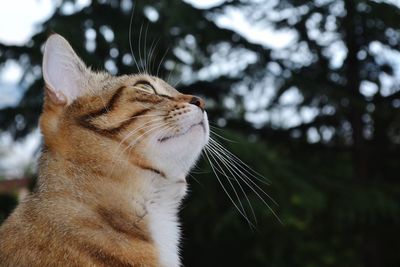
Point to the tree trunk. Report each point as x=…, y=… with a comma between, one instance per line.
x=356, y=100
x=369, y=252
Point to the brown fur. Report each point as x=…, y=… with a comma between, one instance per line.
x=81, y=213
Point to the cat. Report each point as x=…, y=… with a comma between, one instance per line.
x=112, y=172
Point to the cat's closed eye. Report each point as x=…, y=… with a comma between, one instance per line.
x=145, y=86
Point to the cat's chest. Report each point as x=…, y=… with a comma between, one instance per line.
x=165, y=232
x=163, y=220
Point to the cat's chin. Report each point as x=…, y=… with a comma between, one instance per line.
x=196, y=131
x=195, y=127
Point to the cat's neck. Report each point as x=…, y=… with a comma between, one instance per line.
x=164, y=224
x=161, y=198
x=139, y=194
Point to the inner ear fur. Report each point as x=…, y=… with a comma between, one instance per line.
x=64, y=73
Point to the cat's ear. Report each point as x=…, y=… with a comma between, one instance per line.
x=64, y=73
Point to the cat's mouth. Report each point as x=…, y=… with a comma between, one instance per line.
x=201, y=124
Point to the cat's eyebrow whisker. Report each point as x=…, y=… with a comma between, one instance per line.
x=140, y=51
x=130, y=38
x=154, y=53
x=222, y=185
x=145, y=48
x=150, y=55
x=170, y=73
x=176, y=84
x=162, y=60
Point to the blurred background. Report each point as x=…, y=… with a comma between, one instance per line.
x=309, y=91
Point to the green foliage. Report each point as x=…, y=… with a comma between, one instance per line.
x=7, y=204
x=324, y=212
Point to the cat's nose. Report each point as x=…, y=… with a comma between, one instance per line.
x=197, y=101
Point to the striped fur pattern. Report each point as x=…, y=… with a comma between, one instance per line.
x=112, y=173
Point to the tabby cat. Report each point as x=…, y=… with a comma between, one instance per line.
x=112, y=173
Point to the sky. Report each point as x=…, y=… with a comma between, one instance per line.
x=18, y=24
x=37, y=11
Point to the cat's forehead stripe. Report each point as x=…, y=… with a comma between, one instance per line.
x=86, y=122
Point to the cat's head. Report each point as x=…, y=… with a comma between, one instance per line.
x=137, y=120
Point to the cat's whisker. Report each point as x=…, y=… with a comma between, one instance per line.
x=162, y=61
x=244, y=175
x=139, y=129
x=155, y=54
x=196, y=166
x=199, y=172
x=140, y=51
x=147, y=53
x=139, y=116
x=215, y=126
x=151, y=54
x=129, y=147
x=246, y=180
x=197, y=180
x=222, y=171
x=166, y=131
x=143, y=134
x=234, y=177
x=178, y=82
x=136, y=141
x=222, y=185
x=130, y=134
x=245, y=166
x=170, y=73
x=130, y=38
x=237, y=178
x=152, y=107
x=145, y=48
x=222, y=137
x=149, y=106
x=219, y=129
